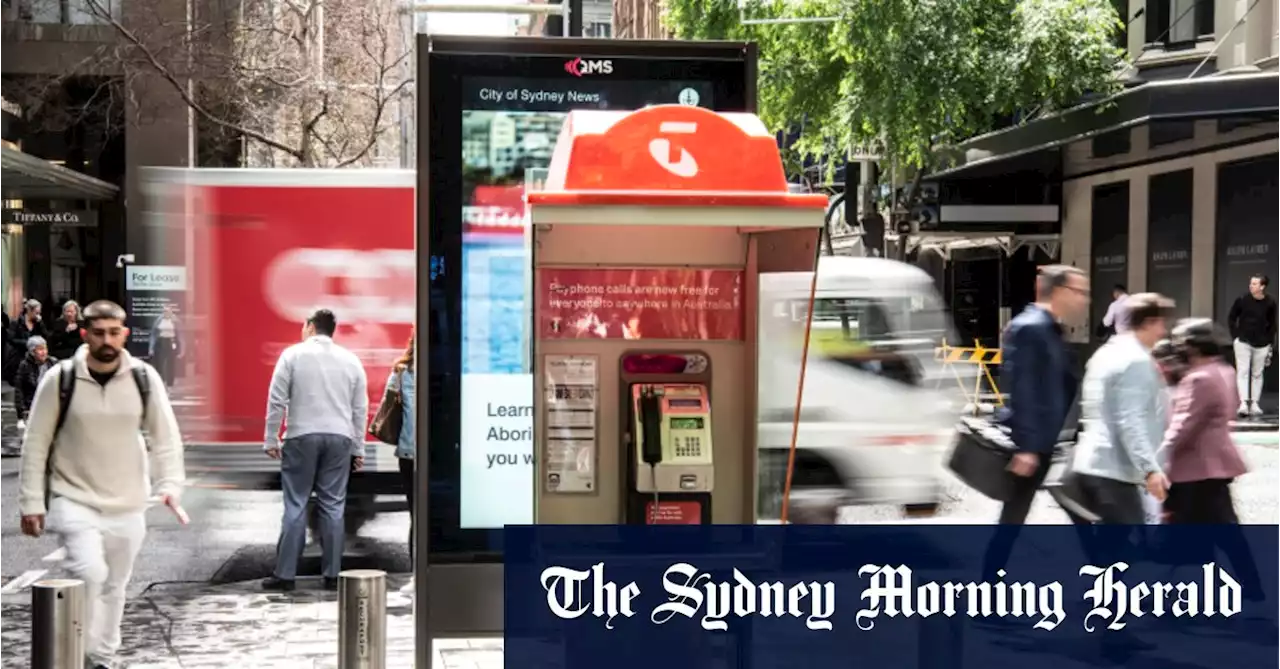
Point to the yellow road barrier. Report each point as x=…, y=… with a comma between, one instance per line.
x=978, y=355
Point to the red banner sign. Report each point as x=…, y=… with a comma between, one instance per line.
x=700, y=304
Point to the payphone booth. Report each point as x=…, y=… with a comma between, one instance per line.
x=649, y=237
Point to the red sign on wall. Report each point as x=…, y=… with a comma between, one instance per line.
x=673, y=513
x=699, y=304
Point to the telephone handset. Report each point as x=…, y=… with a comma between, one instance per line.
x=673, y=438
x=650, y=426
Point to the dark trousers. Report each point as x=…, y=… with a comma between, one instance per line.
x=406, y=480
x=1209, y=503
x=1013, y=515
x=165, y=360
x=319, y=463
x=1118, y=505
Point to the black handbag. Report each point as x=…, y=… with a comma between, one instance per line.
x=984, y=449
x=981, y=457
x=385, y=426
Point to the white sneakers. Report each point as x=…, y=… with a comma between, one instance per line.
x=1249, y=409
x=407, y=589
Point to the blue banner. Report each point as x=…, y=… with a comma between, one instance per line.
x=890, y=596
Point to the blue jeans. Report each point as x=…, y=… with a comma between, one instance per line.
x=319, y=463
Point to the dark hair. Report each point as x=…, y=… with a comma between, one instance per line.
x=1120, y=287
x=1164, y=350
x=324, y=322
x=405, y=361
x=1053, y=277
x=1145, y=307
x=1200, y=336
x=1262, y=279
x=103, y=310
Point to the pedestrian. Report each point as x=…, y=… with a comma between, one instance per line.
x=165, y=346
x=1171, y=370
x=1203, y=457
x=87, y=466
x=1114, y=321
x=404, y=378
x=23, y=328
x=64, y=332
x=1038, y=373
x=1124, y=417
x=1252, y=322
x=30, y=371
x=319, y=391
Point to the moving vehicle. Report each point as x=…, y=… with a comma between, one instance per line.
x=878, y=412
x=264, y=249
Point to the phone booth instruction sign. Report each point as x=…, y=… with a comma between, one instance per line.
x=663, y=512
x=569, y=429
x=676, y=303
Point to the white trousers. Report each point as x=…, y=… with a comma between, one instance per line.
x=101, y=549
x=1250, y=363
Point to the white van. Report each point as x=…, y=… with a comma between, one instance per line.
x=878, y=413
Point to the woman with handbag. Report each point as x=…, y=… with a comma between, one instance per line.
x=394, y=424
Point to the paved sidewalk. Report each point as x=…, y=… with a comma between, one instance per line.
x=198, y=627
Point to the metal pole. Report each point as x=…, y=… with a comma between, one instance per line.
x=362, y=619
x=57, y=624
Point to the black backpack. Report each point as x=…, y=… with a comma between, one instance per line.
x=67, y=388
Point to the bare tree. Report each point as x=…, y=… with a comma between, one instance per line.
x=308, y=83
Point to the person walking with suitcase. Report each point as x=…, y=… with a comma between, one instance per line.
x=86, y=468
x=321, y=388
x=1039, y=377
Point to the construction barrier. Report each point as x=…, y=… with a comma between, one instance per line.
x=978, y=355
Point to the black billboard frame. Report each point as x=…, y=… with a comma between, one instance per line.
x=465, y=598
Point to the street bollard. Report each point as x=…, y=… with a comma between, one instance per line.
x=362, y=619
x=57, y=624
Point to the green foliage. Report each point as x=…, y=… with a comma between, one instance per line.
x=915, y=74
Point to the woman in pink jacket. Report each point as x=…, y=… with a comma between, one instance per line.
x=1202, y=457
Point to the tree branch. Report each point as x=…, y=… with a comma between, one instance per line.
x=183, y=90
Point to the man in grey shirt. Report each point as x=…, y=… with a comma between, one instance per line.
x=322, y=389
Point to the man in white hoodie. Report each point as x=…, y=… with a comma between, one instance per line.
x=86, y=474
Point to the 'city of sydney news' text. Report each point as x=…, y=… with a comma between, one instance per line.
x=890, y=591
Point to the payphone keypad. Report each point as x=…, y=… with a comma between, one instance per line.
x=688, y=447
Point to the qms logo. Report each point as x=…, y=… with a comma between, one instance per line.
x=579, y=67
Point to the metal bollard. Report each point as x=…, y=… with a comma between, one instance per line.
x=57, y=624
x=362, y=619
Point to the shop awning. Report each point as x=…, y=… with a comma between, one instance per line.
x=1221, y=96
x=26, y=177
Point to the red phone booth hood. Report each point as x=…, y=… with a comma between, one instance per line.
x=672, y=156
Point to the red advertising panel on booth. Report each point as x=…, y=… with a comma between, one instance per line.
x=677, y=303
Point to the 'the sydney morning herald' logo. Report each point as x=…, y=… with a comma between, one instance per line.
x=581, y=68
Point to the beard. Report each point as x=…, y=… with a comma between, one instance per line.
x=104, y=353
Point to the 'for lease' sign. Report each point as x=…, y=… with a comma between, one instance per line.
x=156, y=277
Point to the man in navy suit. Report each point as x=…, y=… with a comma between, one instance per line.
x=1038, y=374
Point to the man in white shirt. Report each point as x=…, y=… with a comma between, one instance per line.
x=92, y=466
x=1115, y=321
x=322, y=388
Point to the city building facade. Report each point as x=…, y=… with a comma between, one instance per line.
x=1170, y=186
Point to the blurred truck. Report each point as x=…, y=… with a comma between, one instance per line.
x=263, y=249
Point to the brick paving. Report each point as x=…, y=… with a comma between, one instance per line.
x=197, y=627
